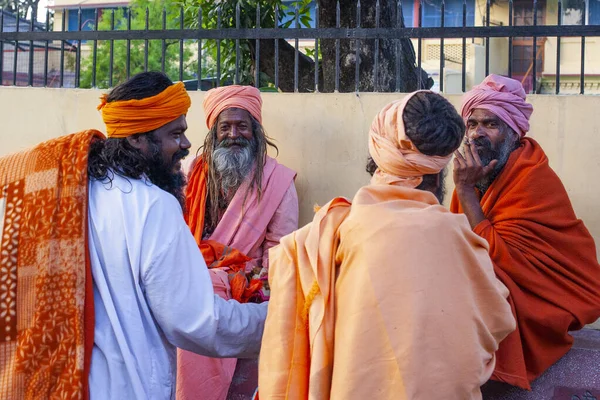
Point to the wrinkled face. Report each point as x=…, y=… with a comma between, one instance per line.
x=492, y=137
x=232, y=124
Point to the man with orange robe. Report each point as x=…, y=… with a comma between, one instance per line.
x=239, y=202
x=102, y=279
x=541, y=251
x=389, y=296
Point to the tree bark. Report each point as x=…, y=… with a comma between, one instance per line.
x=396, y=57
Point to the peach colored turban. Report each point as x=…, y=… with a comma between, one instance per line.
x=128, y=117
x=235, y=96
x=398, y=160
x=502, y=96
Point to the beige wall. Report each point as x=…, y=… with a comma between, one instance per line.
x=324, y=136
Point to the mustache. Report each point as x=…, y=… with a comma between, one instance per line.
x=482, y=142
x=241, y=141
x=180, y=155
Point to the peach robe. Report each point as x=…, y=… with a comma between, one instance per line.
x=390, y=297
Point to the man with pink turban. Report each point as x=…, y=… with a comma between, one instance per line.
x=239, y=203
x=541, y=251
x=389, y=296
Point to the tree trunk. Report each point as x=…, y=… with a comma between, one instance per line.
x=393, y=54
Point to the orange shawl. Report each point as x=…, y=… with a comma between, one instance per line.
x=392, y=297
x=47, y=316
x=545, y=256
x=215, y=254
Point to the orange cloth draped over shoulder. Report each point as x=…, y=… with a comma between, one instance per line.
x=216, y=255
x=545, y=256
x=130, y=117
x=47, y=291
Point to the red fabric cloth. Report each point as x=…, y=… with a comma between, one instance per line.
x=545, y=256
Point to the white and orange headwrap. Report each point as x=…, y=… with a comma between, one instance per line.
x=129, y=117
x=398, y=160
x=235, y=96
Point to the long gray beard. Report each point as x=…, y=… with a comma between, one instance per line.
x=502, y=154
x=233, y=166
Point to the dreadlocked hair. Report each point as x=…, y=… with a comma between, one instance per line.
x=214, y=196
x=432, y=124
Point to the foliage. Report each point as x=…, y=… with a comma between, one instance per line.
x=137, y=55
x=222, y=14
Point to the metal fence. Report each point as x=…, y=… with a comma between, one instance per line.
x=54, y=58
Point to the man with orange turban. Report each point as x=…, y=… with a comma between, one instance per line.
x=541, y=251
x=389, y=296
x=239, y=203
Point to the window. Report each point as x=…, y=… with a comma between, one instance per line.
x=572, y=12
x=88, y=16
x=593, y=12
x=432, y=13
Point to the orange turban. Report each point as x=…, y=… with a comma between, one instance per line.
x=398, y=160
x=235, y=96
x=128, y=117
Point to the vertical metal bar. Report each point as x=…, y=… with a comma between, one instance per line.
x=399, y=24
x=442, y=49
x=559, y=23
x=46, y=45
x=582, y=76
x=62, y=55
x=277, y=47
x=376, y=61
x=146, y=43
x=317, y=48
x=296, y=51
x=534, y=54
x=2, y=48
x=357, y=51
x=16, y=49
x=78, y=52
x=337, y=48
x=487, y=39
x=95, y=50
x=128, y=57
x=111, y=50
x=199, y=77
x=30, y=69
x=464, y=48
x=219, y=15
x=237, y=45
x=257, y=58
x=510, y=39
x=181, y=46
x=420, y=46
x=163, y=58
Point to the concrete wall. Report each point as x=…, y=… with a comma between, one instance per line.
x=324, y=136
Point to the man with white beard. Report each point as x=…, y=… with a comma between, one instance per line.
x=239, y=203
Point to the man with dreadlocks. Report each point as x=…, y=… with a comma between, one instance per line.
x=239, y=202
x=390, y=296
x=541, y=251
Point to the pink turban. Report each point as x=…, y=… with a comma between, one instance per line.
x=235, y=96
x=502, y=96
x=398, y=160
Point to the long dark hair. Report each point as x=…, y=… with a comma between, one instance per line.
x=116, y=155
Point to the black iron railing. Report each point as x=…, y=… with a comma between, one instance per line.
x=38, y=48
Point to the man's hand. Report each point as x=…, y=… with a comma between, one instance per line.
x=468, y=168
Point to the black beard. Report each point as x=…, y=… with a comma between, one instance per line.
x=487, y=153
x=162, y=173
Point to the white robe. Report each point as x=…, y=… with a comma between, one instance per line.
x=152, y=292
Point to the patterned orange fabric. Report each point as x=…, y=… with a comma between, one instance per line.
x=46, y=295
